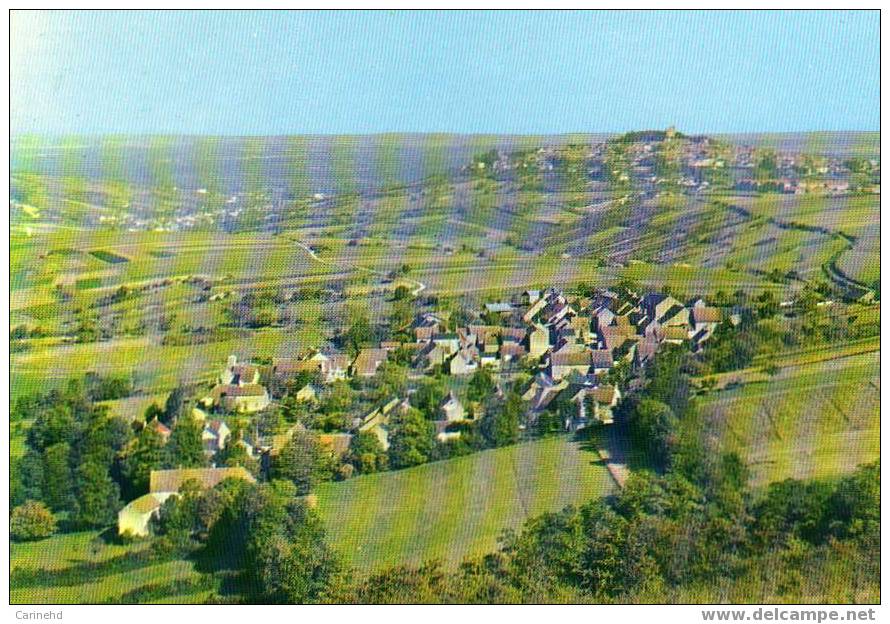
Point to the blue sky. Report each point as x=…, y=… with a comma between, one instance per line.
x=492, y=72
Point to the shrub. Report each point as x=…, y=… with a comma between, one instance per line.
x=31, y=521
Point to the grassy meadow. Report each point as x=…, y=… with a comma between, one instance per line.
x=813, y=419
x=454, y=509
x=83, y=568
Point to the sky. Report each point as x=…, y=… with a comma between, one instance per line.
x=267, y=73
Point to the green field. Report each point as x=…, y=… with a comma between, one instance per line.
x=453, y=240
x=454, y=509
x=82, y=568
x=447, y=510
x=817, y=419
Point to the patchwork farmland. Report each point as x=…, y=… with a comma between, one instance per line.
x=132, y=288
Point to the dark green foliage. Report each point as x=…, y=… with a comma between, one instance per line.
x=481, y=385
x=185, y=449
x=98, y=496
x=411, y=438
x=53, y=425
x=273, y=539
x=303, y=461
x=58, y=480
x=146, y=454
x=652, y=426
x=359, y=333
x=154, y=411
x=668, y=380
x=548, y=421
x=366, y=453
x=390, y=380
x=730, y=348
x=854, y=508
x=73, y=454
x=287, y=554
x=107, y=388
x=815, y=511
x=500, y=425
x=235, y=454
x=27, y=479
x=428, y=396
x=173, y=405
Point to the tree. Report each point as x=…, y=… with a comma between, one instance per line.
x=428, y=396
x=57, y=478
x=154, y=411
x=401, y=292
x=412, y=438
x=27, y=480
x=31, y=521
x=366, y=453
x=107, y=388
x=298, y=566
x=98, y=496
x=185, y=448
x=147, y=454
x=390, y=380
x=303, y=461
x=53, y=425
x=500, y=425
x=173, y=405
x=668, y=382
x=481, y=385
x=235, y=454
x=791, y=509
x=548, y=421
x=854, y=508
x=285, y=550
x=766, y=167
x=360, y=333
x=401, y=316
x=653, y=427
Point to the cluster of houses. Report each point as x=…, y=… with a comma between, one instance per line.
x=795, y=172
x=572, y=342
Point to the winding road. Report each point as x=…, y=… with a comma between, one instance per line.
x=418, y=288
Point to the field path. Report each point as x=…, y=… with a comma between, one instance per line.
x=613, y=453
x=418, y=288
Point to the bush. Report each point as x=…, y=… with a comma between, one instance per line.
x=31, y=521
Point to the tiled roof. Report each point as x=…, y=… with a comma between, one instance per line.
x=705, y=314
x=145, y=504
x=368, y=360
x=601, y=358
x=570, y=358
x=172, y=480
x=246, y=390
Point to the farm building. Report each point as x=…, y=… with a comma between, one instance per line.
x=171, y=480
x=368, y=361
x=134, y=519
x=247, y=398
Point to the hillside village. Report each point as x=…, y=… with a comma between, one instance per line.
x=649, y=161
x=580, y=351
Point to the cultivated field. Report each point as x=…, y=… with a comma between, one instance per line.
x=454, y=509
x=82, y=568
x=814, y=419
